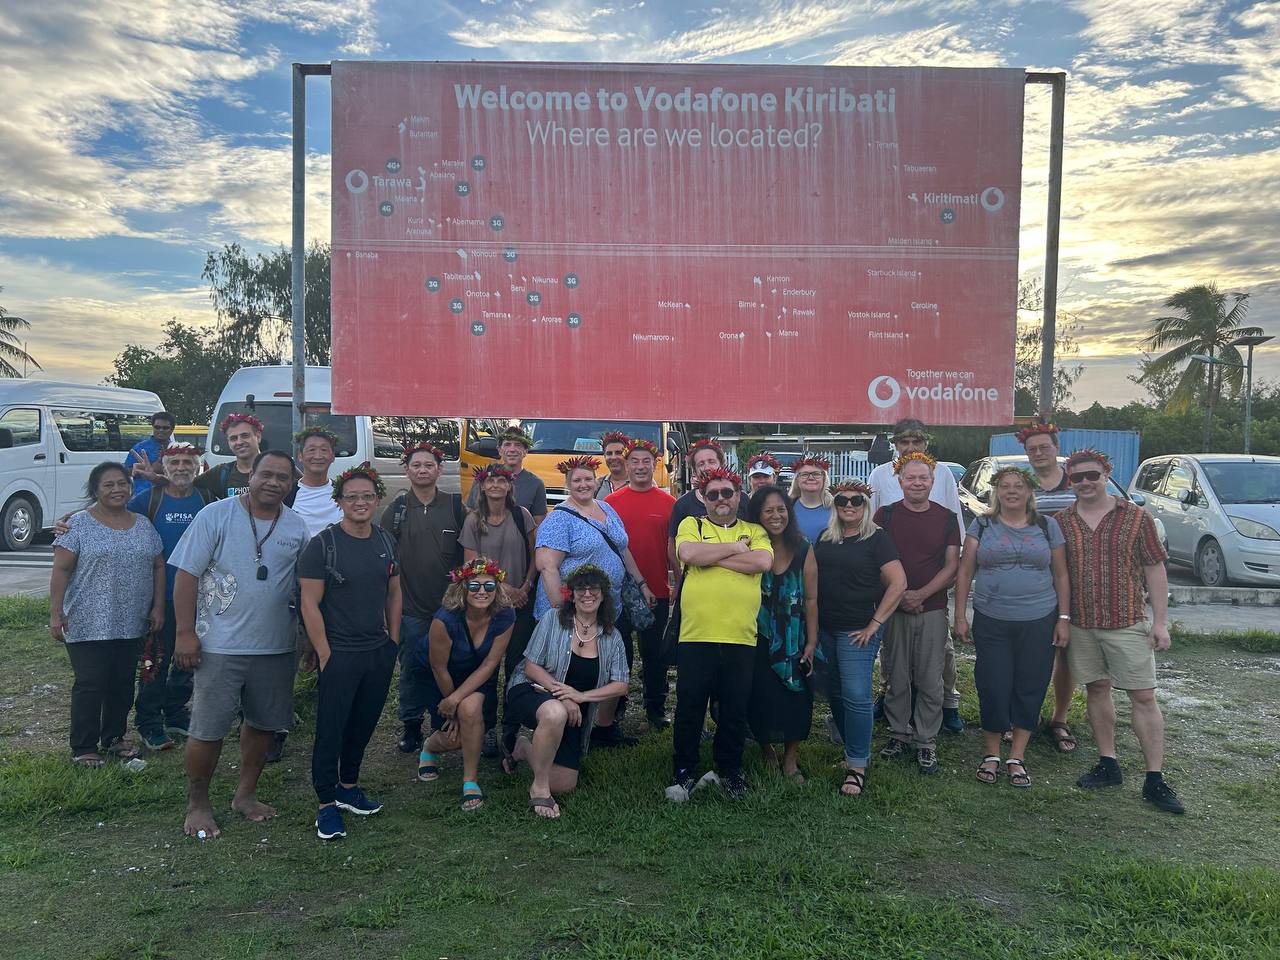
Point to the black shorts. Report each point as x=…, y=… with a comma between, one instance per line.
x=523, y=702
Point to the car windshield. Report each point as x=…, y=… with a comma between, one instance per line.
x=1242, y=481
x=583, y=436
x=277, y=427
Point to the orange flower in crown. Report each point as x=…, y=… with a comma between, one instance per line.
x=1026, y=433
x=914, y=457
x=719, y=473
x=479, y=567
x=646, y=445
x=578, y=463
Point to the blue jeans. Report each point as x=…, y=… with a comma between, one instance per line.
x=849, y=670
x=414, y=687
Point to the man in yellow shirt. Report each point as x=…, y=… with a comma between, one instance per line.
x=723, y=558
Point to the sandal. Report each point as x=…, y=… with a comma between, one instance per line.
x=122, y=750
x=989, y=774
x=854, y=778
x=544, y=803
x=89, y=760
x=1020, y=779
x=473, y=798
x=1066, y=743
x=428, y=768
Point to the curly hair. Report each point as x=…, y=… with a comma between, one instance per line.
x=589, y=575
x=455, y=597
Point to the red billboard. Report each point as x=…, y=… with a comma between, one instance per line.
x=673, y=242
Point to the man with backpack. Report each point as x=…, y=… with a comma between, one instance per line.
x=164, y=690
x=928, y=543
x=425, y=524
x=243, y=434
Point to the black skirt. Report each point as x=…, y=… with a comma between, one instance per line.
x=776, y=714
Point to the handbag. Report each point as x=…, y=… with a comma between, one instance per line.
x=671, y=635
x=637, y=609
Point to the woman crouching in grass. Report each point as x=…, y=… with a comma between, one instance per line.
x=575, y=660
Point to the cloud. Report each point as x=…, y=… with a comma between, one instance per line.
x=554, y=26
x=942, y=45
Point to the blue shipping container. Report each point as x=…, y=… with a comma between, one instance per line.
x=1120, y=445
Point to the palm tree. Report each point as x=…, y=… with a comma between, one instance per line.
x=1206, y=326
x=11, y=350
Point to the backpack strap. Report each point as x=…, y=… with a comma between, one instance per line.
x=459, y=510
x=517, y=517
x=983, y=524
x=400, y=511
x=154, y=500
x=330, y=544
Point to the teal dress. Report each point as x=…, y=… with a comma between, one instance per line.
x=781, y=708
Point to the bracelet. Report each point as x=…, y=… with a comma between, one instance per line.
x=874, y=620
x=1064, y=616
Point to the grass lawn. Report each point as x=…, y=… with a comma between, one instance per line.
x=93, y=864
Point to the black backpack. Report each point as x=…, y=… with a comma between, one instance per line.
x=330, y=544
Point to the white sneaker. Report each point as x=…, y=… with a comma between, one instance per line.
x=679, y=790
x=709, y=779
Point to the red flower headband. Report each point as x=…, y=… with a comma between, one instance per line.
x=578, y=463
x=852, y=486
x=615, y=436
x=180, y=449
x=914, y=456
x=233, y=418
x=706, y=445
x=480, y=566
x=767, y=459
x=1086, y=455
x=359, y=470
x=809, y=460
x=423, y=447
x=719, y=473
x=646, y=445
x=1026, y=433
x=481, y=474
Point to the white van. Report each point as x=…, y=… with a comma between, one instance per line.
x=267, y=393
x=51, y=435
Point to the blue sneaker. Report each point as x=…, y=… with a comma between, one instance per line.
x=329, y=825
x=951, y=721
x=354, y=801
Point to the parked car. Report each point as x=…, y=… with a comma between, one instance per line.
x=1221, y=511
x=975, y=491
x=957, y=469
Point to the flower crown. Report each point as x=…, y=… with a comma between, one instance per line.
x=422, y=446
x=705, y=444
x=518, y=435
x=852, y=486
x=719, y=473
x=181, y=448
x=480, y=566
x=1023, y=472
x=359, y=470
x=233, y=418
x=1086, y=455
x=587, y=569
x=615, y=436
x=914, y=457
x=301, y=436
x=481, y=474
x=768, y=460
x=647, y=445
x=1026, y=433
x=808, y=460
x=575, y=463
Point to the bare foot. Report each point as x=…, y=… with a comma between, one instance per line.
x=795, y=776
x=251, y=808
x=200, y=820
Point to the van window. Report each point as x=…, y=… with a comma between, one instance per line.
x=384, y=448
x=583, y=436
x=23, y=423
x=440, y=432
x=85, y=431
x=277, y=427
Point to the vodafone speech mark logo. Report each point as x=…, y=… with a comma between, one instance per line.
x=873, y=392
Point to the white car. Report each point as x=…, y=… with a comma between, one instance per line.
x=1221, y=513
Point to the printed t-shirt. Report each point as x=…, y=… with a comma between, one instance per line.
x=647, y=517
x=172, y=519
x=501, y=542
x=922, y=539
x=849, y=587
x=1106, y=565
x=109, y=593
x=427, y=547
x=354, y=610
x=236, y=613
x=811, y=520
x=316, y=507
x=719, y=605
x=530, y=493
x=224, y=480
x=1014, y=579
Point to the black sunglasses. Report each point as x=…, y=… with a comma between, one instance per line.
x=475, y=586
x=718, y=494
x=1089, y=475
x=856, y=500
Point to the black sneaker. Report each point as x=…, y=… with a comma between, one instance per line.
x=1102, y=775
x=611, y=736
x=276, y=750
x=657, y=720
x=490, y=746
x=411, y=742
x=927, y=760
x=895, y=749
x=1161, y=795
x=735, y=785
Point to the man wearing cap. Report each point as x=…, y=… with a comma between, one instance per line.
x=530, y=492
x=614, y=446
x=762, y=471
x=910, y=436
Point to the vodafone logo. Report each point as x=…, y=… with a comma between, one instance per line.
x=894, y=391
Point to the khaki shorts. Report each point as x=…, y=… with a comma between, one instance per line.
x=1122, y=656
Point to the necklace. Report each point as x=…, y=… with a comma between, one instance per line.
x=584, y=633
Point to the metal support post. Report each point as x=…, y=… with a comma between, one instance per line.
x=1049, y=327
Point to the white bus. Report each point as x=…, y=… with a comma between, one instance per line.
x=51, y=435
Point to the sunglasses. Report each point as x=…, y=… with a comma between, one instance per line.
x=718, y=494
x=1089, y=475
x=475, y=586
x=856, y=500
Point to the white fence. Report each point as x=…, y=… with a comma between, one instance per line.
x=845, y=464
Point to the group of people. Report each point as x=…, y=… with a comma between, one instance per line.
x=215, y=589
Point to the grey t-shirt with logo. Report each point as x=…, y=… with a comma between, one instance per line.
x=236, y=613
x=1014, y=577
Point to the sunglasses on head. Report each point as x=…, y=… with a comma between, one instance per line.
x=849, y=500
x=720, y=493
x=1089, y=475
x=475, y=586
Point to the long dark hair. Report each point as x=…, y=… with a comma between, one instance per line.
x=96, y=475
x=605, y=615
x=792, y=538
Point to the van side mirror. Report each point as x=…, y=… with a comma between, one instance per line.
x=6, y=438
x=485, y=447
x=675, y=441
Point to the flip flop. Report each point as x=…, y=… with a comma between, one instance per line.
x=428, y=768
x=473, y=796
x=544, y=803
x=122, y=751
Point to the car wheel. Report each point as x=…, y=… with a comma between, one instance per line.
x=1211, y=565
x=21, y=521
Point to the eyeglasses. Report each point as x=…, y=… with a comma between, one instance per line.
x=856, y=500
x=592, y=588
x=359, y=497
x=488, y=586
x=720, y=493
x=809, y=475
x=1089, y=475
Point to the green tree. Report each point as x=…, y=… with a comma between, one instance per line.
x=187, y=370
x=11, y=348
x=253, y=298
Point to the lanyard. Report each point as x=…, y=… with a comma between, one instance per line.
x=258, y=544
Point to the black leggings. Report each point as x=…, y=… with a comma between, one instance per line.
x=1014, y=664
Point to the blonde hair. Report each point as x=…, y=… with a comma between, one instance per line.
x=455, y=597
x=835, y=529
x=794, y=492
x=993, y=508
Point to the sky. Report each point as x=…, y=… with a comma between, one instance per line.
x=137, y=136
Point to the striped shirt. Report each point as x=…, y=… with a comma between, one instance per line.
x=1105, y=565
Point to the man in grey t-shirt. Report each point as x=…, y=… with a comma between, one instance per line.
x=236, y=575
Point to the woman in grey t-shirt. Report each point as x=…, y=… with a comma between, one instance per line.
x=1020, y=604
x=106, y=593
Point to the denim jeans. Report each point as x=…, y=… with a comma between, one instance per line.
x=413, y=687
x=849, y=670
x=165, y=699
